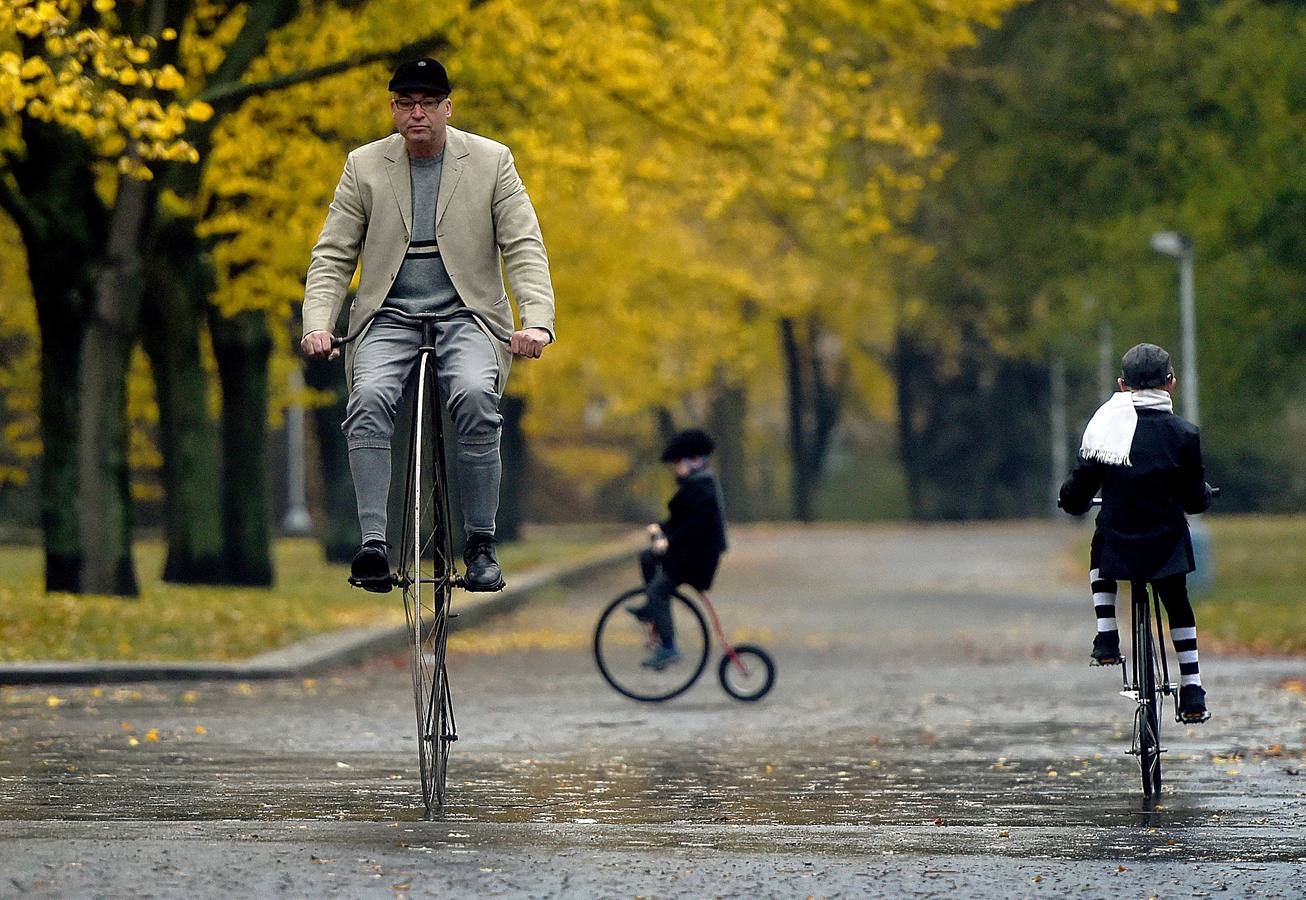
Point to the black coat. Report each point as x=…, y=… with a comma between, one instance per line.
x=695, y=530
x=1142, y=532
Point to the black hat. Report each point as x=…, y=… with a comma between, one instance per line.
x=1146, y=366
x=421, y=75
x=687, y=444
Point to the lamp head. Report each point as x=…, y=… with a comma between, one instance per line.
x=1171, y=243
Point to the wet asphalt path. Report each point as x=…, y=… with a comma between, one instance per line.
x=934, y=729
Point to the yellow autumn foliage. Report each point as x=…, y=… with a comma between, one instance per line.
x=701, y=169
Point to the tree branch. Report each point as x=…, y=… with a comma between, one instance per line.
x=226, y=97
x=30, y=222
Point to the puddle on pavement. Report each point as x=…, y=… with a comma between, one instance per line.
x=903, y=783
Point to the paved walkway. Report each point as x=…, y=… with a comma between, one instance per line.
x=934, y=729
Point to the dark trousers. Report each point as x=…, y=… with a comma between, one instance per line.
x=658, y=586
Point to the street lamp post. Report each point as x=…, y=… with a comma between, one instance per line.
x=1177, y=246
x=1174, y=244
x=297, y=520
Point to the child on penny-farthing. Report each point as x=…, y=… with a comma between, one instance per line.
x=687, y=546
x=1147, y=462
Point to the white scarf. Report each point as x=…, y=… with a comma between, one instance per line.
x=1110, y=433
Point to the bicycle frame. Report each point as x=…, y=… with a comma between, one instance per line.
x=720, y=633
x=1165, y=687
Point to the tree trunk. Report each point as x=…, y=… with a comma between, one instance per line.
x=338, y=526
x=171, y=320
x=908, y=371
x=61, y=340
x=516, y=461
x=105, y=503
x=62, y=223
x=815, y=405
x=799, y=453
x=727, y=416
x=242, y=346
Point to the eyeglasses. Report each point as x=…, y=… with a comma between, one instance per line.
x=428, y=104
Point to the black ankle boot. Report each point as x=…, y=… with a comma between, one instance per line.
x=371, y=568
x=483, y=573
x=1106, y=648
x=1192, y=703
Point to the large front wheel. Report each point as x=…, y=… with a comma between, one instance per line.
x=1147, y=719
x=622, y=643
x=426, y=573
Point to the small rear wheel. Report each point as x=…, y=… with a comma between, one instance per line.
x=747, y=675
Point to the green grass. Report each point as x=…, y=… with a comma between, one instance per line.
x=178, y=622
x=1258, y=600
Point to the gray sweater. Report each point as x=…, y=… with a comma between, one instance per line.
x=423, y=285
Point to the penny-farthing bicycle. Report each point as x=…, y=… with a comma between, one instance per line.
x=427, y=571
x=622, y=643
x=1145, y=677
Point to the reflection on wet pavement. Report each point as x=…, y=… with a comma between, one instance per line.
x=938, y=782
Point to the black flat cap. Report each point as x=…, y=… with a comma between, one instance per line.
x=421, y=75
x=688, y=444
x=1146, y=366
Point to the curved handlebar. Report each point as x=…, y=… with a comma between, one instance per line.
x=419, y=318
x=1097, y=501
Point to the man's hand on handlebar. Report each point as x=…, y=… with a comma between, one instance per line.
x=317, y=345
x=529, y=342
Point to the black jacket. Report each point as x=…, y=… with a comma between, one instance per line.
x=695, y=531
x=1142, y=533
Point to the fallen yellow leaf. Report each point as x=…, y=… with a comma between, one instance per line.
x=131, y=740
x=200, y=729
x=52, y=701
x=152, y=735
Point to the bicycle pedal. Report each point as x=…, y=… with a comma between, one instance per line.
x=375, y=585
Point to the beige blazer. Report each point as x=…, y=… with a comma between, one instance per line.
x=482, y=214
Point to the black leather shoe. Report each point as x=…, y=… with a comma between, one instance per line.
x=1192, y=704
x=1106, y=648
x=371, y=568
x=483, y=573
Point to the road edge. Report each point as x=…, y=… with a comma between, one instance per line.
x=332, y=650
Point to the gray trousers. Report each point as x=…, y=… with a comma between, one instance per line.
x=468, y=372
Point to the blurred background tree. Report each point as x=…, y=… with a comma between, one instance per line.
x=848, y=237
x=1076, y=131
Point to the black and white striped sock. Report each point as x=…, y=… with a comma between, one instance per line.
x=1104, y=601
x=1185, y=647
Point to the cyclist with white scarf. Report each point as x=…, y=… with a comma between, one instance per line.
x=1147, y=462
